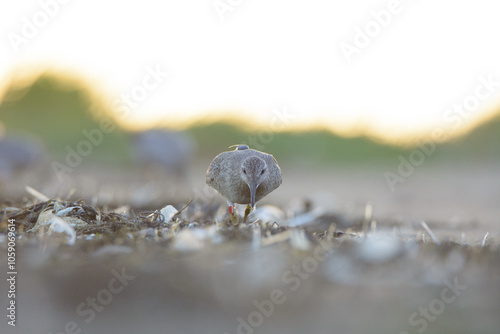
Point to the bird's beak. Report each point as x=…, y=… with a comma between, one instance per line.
x=253, y=188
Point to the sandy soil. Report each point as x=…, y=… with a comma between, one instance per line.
x=388, y=277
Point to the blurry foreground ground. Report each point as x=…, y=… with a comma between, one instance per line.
x=330, y=264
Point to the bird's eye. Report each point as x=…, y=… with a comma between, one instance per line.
x=262, y=172
x=244, y=171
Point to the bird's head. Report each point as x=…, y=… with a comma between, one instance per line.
x=253, y=172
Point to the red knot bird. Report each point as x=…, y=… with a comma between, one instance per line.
x=243, y=176
x=170, y=150
x=20, y=156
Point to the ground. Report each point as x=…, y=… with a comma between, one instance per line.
x=333, y=250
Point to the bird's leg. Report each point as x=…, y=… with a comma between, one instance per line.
x=234, y=218
x=248, y=210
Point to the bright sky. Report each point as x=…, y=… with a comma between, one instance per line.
x=325, y=62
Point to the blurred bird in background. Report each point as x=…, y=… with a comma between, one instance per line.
x=20, y=157
x=165, y=151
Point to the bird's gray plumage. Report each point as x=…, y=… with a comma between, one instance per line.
x=171, y=150
x=19, y=153
x=231, y=174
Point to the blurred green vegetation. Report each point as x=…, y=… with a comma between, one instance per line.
x=309, y=147
x=482, y=143
x=57, y=109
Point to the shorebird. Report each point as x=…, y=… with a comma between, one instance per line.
x=171, y=150
x=243, y=176
x=18, y=155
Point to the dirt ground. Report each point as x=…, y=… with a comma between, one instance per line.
x=463, y=196
x=347, y=255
